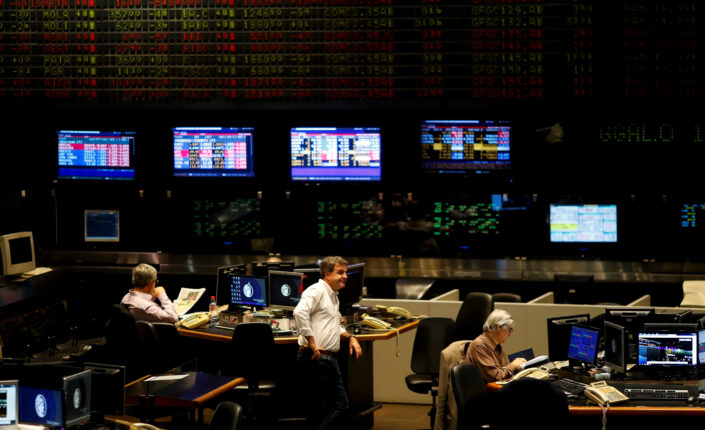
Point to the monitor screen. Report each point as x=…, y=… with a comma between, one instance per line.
x=285, y=289
x=336, y=154
x=213, y=151
x=559, y=329
x=701, y=346
x=96, y=155
x=465, y=146
x=9, y=405
x=101, y=225
x=615, y=351
x=107, y=388
x=311, y=275
x=247, y=291
x=17, y=253
x=41, y=406
x=583, y=344
x=668, y=348
x=352, y=292
x=583, y=223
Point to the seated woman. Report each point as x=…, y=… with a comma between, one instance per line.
x=486, y=350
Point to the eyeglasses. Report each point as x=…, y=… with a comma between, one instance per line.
x=510, y=329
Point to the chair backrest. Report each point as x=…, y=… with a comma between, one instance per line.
x=154, y=358
x=432, y=335
x=123, y=342
x=252, y=352
x=506, y=297
x=693, y=293
x=170, y=344
x=533, y=403
x=472, y=315
x=226, y=416
x=470, y=394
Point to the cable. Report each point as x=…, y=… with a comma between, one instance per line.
x=604, y=415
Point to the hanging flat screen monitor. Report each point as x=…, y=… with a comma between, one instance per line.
x=465, y=146
x=213, y=151
x=580, y=223
x=336, y=154
x=101, y=225
x=96, y=155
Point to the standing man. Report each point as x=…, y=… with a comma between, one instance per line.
x=142, y=298
x=318, y=320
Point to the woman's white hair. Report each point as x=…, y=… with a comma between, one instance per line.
x=497, y=320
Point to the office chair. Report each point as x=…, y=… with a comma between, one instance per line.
x=226, y=417
x=170, y=345
x=432, y=335
x=534, y=403
x=123, y=343
x=252, y=356
x=506, y=297
x=472, y=315
x=693, y=294
x=471, y=396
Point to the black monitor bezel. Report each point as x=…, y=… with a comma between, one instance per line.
x=555, y=330
x=597, y=343
x=270, y=296
x=622, y=366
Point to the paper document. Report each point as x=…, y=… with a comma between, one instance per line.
x=535, y=361
x=165, y=378
x=187, y=298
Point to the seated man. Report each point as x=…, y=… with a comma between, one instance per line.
x=486, y=350
x=141, y=299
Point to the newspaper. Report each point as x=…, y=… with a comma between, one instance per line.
x=187, y=298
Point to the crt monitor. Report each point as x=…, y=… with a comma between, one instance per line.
x=559, y=330
x=670, y=348
x=242, y=290
x=582, y=346
x=336, y=154
x=96, y=155
x=213, y=152
x=615, y=347
x=285, y=289
x=17, y=253
x=583, y=223
x=465, y=146
x=352, y=292
x=9, y=404
x=101, y=225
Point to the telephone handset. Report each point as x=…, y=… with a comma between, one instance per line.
x=195, y=320
x=533, y=372
x=601, y=393
x=395, y=310
x=375, y=323
x=144, y=426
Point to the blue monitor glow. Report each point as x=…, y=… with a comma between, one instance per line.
x=41, y=406
x=101, y=225
x=583, y=344
x=465, y=146
x=285, y=289
x=701, y=347
x=9, y=404
x=668, y=348
x=336, y=154
x=96, y=155
x=558, y=330
x=17, y=253
x=213, y=152
x=247, y=290
x=581, y=223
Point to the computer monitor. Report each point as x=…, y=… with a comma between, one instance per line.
x=465, y=146
x=242, y=290
x=213, y=152
x=17, y=253
x=559, y=330
x=671, y=348
x=260, y=269
x=336, y=154
x=96, y=155
x=9, y=404
x=615, y=347
x=53, y=400
x=311, y=275
x=701, y=347
x=351, y=294
x=107, y=388
x=583, y=223
x=633, y=320
x=101, y=225
x=679, y=316
x=285, y=289
x=582, y=346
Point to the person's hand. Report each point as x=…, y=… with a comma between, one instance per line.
x=157, y=291
x=517, y=362
x=355, y=347
x=316, y=351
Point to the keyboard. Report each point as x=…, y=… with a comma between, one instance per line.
x=656, y=391
x=569, y=386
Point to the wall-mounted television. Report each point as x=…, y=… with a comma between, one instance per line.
x=213, y=152
x=465, y=146
x=583, y=223
x=336, y=154
x=101, y=225
x=96, y=155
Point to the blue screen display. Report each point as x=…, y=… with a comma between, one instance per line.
x=248, y=291
x=583, y=344
x=88, y=154
x=41, y=406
